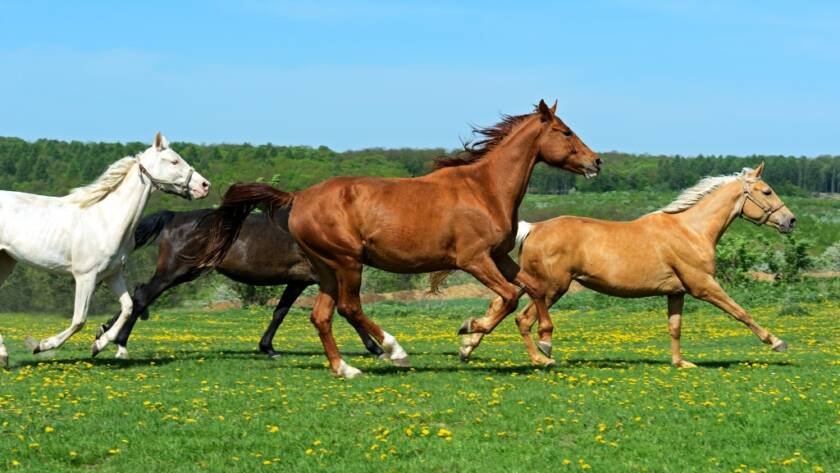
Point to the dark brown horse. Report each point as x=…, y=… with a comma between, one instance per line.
x=264, y=254
x=462, y=216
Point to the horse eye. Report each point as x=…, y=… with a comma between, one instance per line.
x=767, y=191
x=567, y=133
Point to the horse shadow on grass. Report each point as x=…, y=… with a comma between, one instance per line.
x=475, y=364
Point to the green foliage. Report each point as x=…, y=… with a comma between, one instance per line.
x=830, y=259
x=795, y=260
x=736, y=256
x=630, y=186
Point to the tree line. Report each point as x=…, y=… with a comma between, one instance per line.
x=53, y=167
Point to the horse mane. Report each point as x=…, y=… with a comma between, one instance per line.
x=474, y=151
x=694, y=194
x=106, y=183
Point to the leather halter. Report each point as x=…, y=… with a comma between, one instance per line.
x=767, y=209
x=183, y=190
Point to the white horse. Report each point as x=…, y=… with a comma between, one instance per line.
x=90, y=232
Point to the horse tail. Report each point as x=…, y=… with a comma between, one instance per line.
x=523, y=231
x=150, y=227
x=437, y=278
x=226, y=221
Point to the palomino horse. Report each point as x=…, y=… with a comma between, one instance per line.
x=665, y=253
x=89, y=233
x=463, y=215
x=264, y=254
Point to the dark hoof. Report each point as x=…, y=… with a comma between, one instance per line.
x=272, y=354
x=545, y=347
x=782, y=346
x=466, y=327
x=101, y=330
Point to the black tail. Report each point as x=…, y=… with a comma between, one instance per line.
x=150, y=227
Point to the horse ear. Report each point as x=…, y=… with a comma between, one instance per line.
x=553, y=108
x=759, y=169
x=158, y=143
x=164, y=143
x=545, y=113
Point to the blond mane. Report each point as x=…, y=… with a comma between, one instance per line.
x=694, y=194
x=104, y=185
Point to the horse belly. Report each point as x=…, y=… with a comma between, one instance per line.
x=624, y=274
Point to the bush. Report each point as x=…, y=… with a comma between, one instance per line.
x=830, y=259
x=737, y=255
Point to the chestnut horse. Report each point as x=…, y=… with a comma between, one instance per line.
x=463, y=215
x=670, y=252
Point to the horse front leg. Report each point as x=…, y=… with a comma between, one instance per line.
x=85, y=285
x=675, y=311
x=117, y=284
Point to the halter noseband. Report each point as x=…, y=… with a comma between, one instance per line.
x=767, y=209
x=183, y=189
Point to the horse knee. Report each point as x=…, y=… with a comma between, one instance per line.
x=349, y=310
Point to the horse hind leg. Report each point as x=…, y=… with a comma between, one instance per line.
x=350, y=307
x=7, y=264
x=675, y=310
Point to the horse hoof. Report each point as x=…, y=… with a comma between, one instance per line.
x=780, y=346
x=545, y=347
x=684, y=364
x=466, y=327
x=550, y=363
x=347, y=371
x=101, y=330
x=464, y=353
x=122, y=353
x=403, y=362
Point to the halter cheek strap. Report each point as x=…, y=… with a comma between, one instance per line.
x=767, y=209
x=183, y=188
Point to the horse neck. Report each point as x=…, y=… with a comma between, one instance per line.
x=125, y=204
x=507, y=168
x=715, y=212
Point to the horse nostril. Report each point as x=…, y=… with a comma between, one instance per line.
x=205, y=185
x=598, y=162
x=792, y=222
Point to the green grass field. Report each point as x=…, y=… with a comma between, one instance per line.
x=195, y=395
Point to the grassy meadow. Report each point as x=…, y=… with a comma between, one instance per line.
x=195, y=395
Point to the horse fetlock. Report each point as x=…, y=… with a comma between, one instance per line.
x=466, y=327
x=98, y=345
x=780, y=345
x=346, y=371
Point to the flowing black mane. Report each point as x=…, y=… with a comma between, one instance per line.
x=473, y=151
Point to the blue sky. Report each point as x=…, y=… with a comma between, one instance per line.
x=712, y=77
